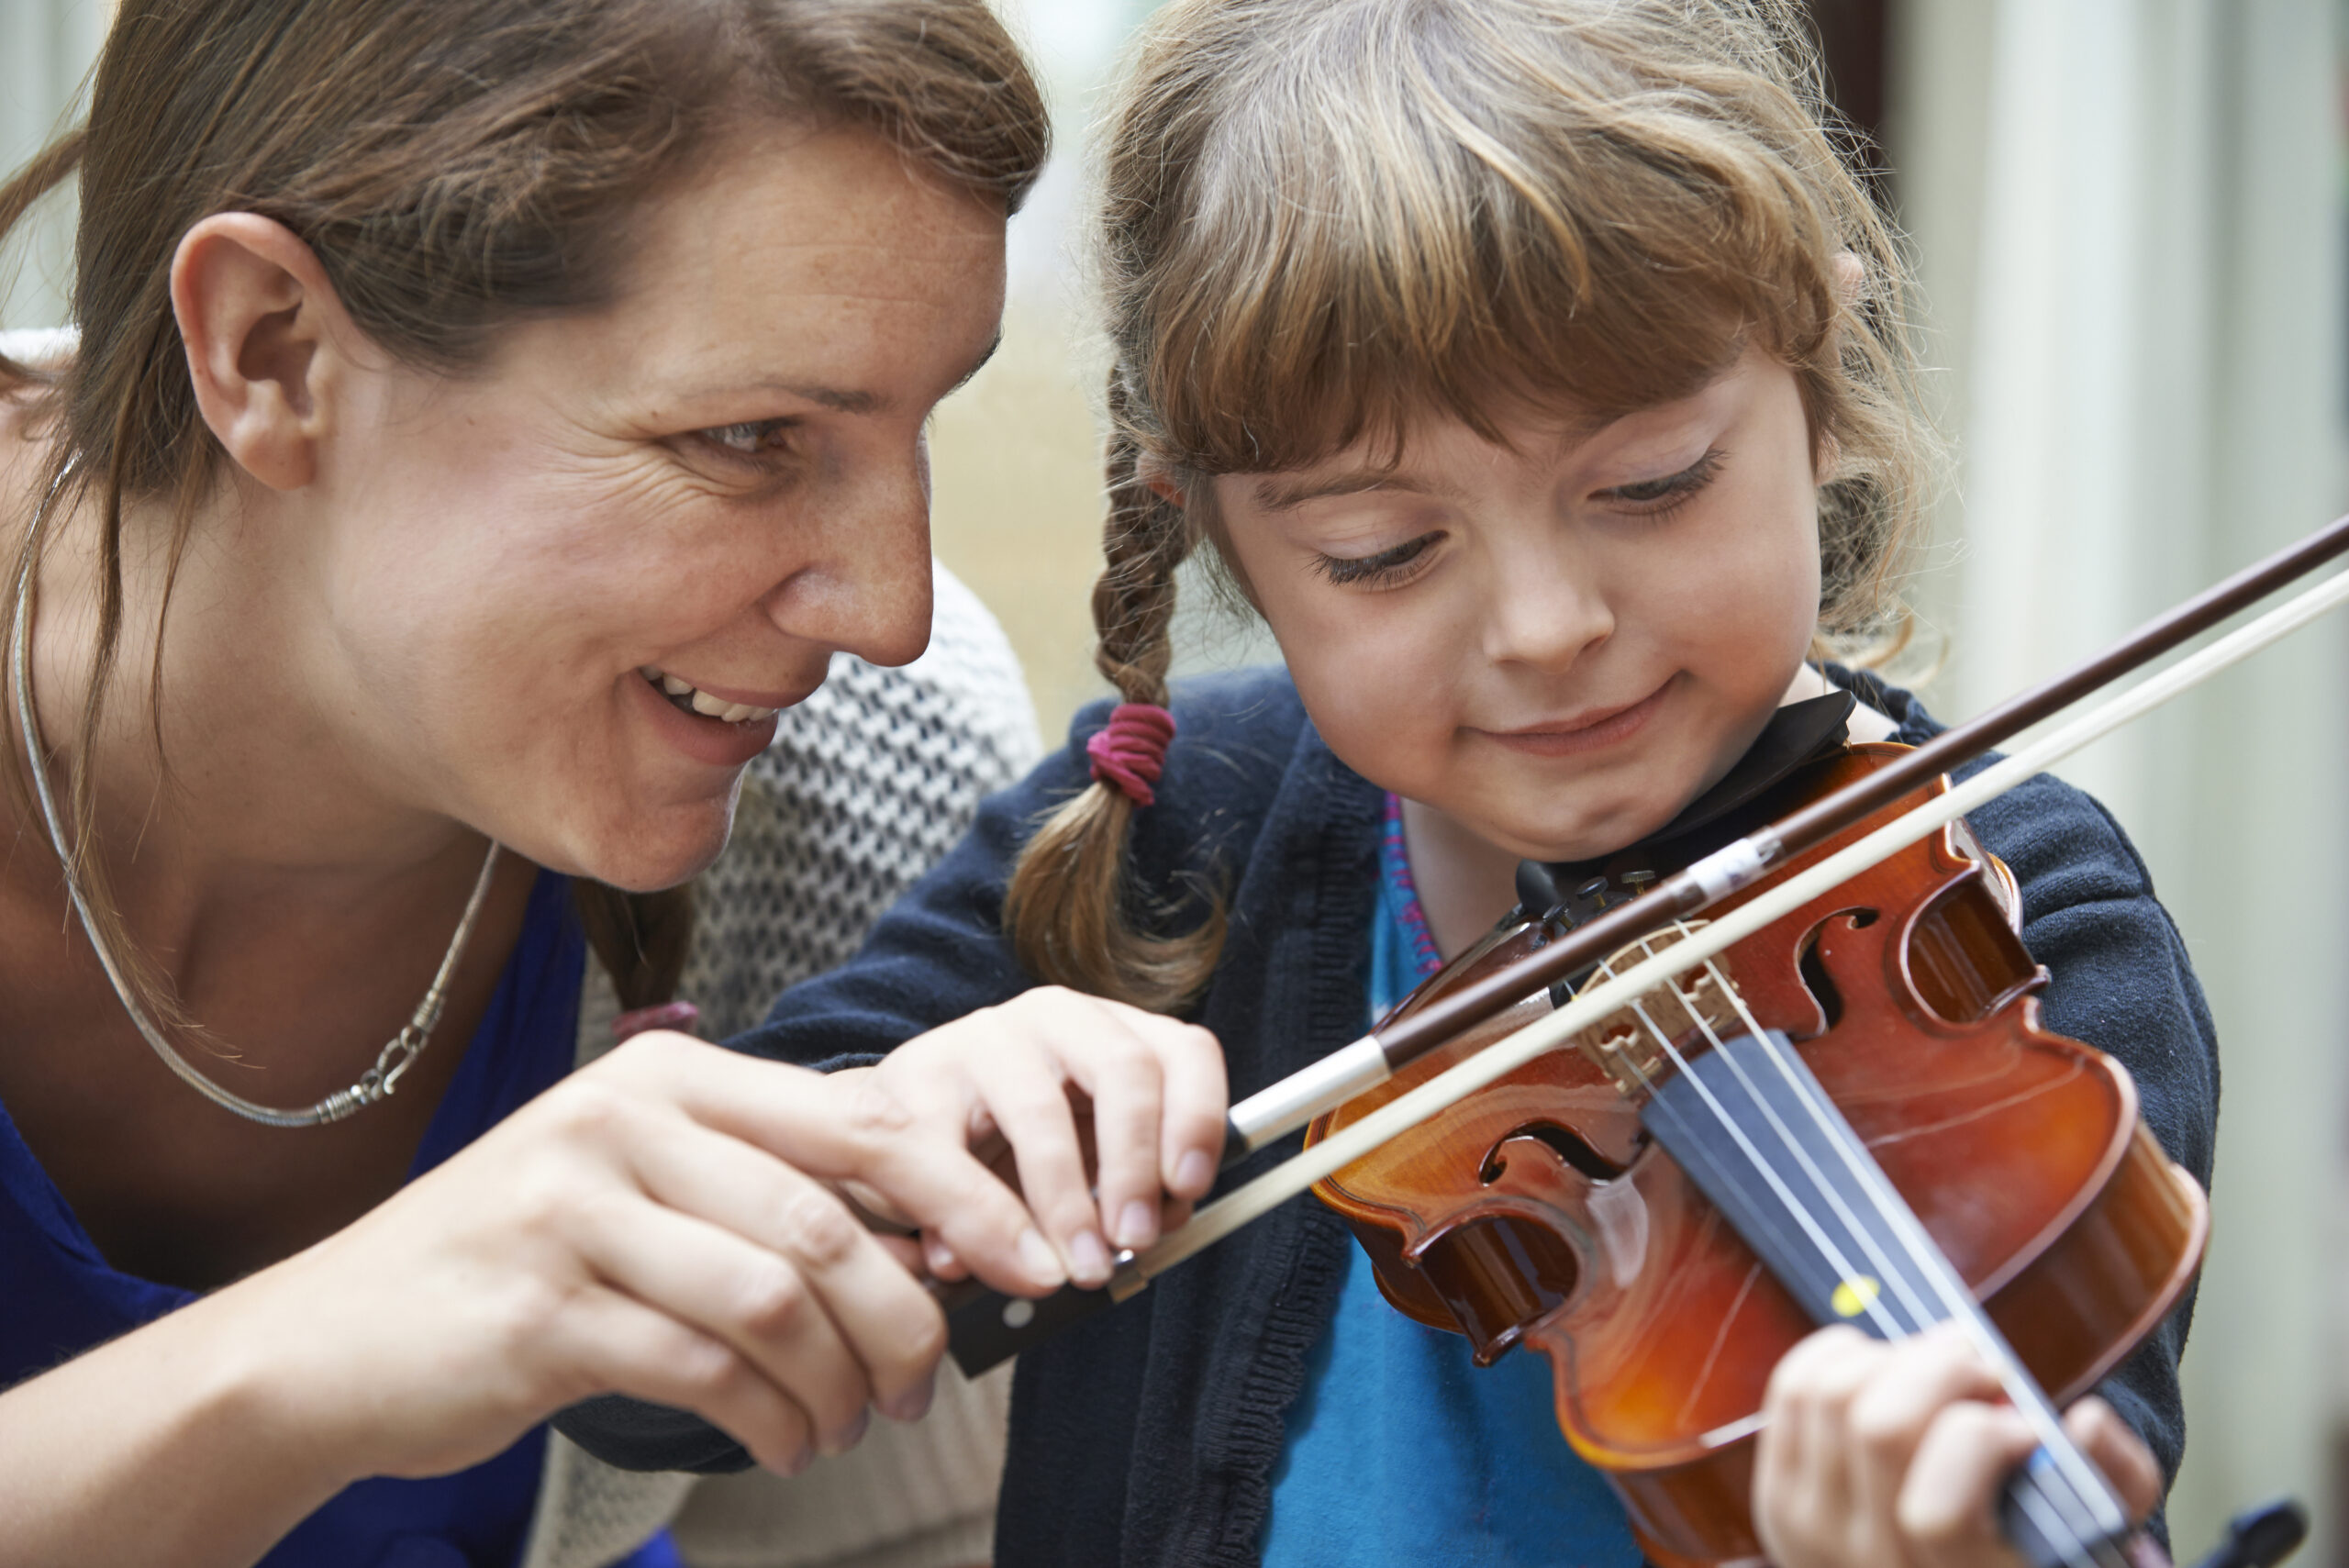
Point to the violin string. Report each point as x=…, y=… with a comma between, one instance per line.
x=2055, y=1529
x=1875, y=1307
x=1920, y=1312
x=1957, y=1302
x=2044, y=1511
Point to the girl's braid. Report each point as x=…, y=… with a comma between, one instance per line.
x=1068, y=908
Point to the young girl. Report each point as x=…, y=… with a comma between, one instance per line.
x=1537, y=370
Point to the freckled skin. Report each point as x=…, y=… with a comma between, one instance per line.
x=567, y=525
x=1545, y=598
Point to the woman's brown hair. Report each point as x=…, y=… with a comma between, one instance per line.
x=1322, y=217
x=456, y=165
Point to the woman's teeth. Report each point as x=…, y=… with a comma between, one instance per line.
x=684, y=694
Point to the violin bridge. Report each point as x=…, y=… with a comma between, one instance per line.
x=1633, y=1045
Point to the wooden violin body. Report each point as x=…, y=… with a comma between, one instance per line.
x=1538, y=1215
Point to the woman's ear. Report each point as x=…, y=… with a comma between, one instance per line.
x=266, y=340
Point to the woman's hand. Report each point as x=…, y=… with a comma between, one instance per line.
x=1075, y=1094
x=1878, y=1455
x=661, y=1224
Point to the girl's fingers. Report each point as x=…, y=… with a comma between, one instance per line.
x=1119, y=1072
x=2116, y=1450
x=752, y=1299
x=1198, y=1098
x=1027, y=1096
x=1948, y=1503
x=889, y=1321
x=1914, y=1383
x=1157, y=1092
x=1802, y=1496
x=618, y=1343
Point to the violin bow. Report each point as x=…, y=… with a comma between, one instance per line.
x=986, y=1327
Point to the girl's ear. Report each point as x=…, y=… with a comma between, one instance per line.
x=267, y=342
x=1165, y=489
x=1851, y=272
x=1851, y=276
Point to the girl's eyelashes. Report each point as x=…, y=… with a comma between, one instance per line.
x=1383, y=569
x=1658, y=495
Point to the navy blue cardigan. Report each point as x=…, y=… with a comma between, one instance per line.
x=1148, y=1435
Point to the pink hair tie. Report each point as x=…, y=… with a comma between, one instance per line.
x=666, y=1015
x=1132, y=752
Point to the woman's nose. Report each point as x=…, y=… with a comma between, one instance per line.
x=867, y=589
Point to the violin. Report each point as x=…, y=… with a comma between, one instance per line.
x=1664, y=1207
x=1768, y=1144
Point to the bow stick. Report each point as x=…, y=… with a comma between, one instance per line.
x=986, y=1327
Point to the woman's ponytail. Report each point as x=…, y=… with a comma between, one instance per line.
x=642, y=940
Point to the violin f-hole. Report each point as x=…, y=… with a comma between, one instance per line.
x=1563, y=1141
x=1499, y=1274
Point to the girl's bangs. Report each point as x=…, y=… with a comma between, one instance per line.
x=1349, y=259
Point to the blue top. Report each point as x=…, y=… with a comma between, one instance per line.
x=62, y=1297
x=1147, y=1437
x=1401, y=1450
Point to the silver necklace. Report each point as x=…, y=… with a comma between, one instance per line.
x=398, y=1054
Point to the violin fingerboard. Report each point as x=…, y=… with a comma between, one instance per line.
x=1757, y=1133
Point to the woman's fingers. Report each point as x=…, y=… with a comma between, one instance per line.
x=754, y=1300
x=1152, y=1091
x=615, y=1342
x=858, y=1279
x=858, y=1126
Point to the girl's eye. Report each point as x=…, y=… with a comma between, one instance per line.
x=1381, y=570
x=1662, y=494
x=760, y=438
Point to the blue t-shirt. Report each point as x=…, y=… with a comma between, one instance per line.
x=60, y=1297
x=1401, y=1450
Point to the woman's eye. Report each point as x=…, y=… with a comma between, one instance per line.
x=1672, y=487
x=1382, y=569
x=756, y=438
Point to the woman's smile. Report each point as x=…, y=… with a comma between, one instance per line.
x=714, y=702
x=712, y=740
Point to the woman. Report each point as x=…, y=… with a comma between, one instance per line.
x=486, y=417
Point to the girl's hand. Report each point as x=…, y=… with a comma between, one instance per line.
x=1080, y=1093
x=1878, y=1455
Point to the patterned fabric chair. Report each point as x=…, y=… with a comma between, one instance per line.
x=868, y=784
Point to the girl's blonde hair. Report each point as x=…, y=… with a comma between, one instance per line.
x=1320, y=217
x=457, y=166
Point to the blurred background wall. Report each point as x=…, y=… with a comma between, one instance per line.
x=2130, y=220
